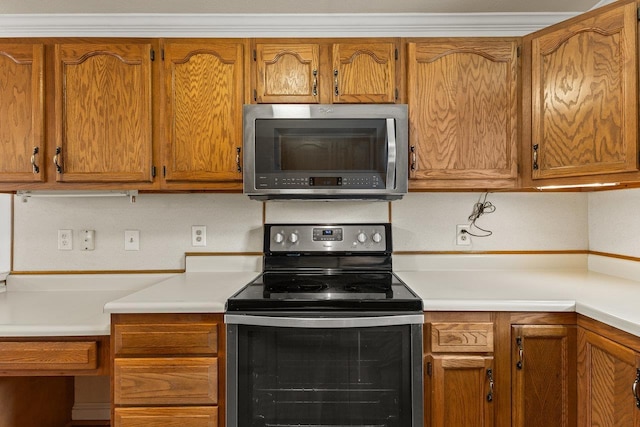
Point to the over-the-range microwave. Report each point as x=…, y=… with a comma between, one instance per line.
x=306, y=151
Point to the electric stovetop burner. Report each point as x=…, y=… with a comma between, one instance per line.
x=322, y=268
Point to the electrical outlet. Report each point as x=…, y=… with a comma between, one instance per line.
x=65, y=240
x=463, y=238
x=132, y=240
x=198, y=235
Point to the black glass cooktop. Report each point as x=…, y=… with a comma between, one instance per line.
x=309, y=291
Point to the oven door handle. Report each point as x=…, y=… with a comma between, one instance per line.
x=324, y=322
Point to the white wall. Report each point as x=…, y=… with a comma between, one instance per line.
x=614, y=222
x=422, y=222
x=5, y=232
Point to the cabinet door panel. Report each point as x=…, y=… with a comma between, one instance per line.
x=544, y=376
x=364, y=72
x=21, y=112
x=606, y=372
x=166, y=339
x=584, y=100
x=287, y=73
x=463, y=109
x=103, y=107
x=459, y=388
x=204, y=87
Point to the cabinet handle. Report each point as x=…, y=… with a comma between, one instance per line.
x=634, y=388
x=520, y=352
x=34, y=165
x=335, y=82
x=56, y=158
x=535, y=157
x=238, y=167
x=314, y=91
x=413, y=157
x=491, y=384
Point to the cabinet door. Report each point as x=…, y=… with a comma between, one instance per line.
x=544, y=376
x=21, y=112
x=463, y=111
x=287, y=73
x=584, y=97
x=103, y=112
x=460, y=391
x=606, y=374
x=364, y=72
x=204, y=89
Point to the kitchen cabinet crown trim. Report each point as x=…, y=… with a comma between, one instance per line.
x=277, y=25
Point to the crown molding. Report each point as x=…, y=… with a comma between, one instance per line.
x=276, y=25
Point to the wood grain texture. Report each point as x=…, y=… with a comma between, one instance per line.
x=166, y=417
x=21, y=112
x=461, y=337
x=544, y=391
x=584, y=100
x=285, y=73
x=48, y=356
x=166, y=339
x=463, y=111
x=104, y=116
x=459, y=387
x=165, y=381
x=606, y=371
x=35, y=401
x=204, y=83
x=366, y=72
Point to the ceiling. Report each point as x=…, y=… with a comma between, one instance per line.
x=293, y=6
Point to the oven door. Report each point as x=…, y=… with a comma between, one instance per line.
x=326, y=371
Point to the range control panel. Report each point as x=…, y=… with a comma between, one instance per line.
x=328, y=238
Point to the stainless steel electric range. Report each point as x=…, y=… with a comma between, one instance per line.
x=327, y=335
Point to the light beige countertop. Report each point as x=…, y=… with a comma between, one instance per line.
x=80, y=305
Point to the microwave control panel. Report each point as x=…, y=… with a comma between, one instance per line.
x=355, y=181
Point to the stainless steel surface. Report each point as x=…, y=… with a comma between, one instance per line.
x=343, y=238
x=324, y=322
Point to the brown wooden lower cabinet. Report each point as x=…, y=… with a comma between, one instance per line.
x=607, y=372
x=167, y=417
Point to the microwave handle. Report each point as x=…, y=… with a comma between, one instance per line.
x=392, y=158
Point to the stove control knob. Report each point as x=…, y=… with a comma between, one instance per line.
x=278, y=238
x=377, y=237
x=362, y=237
x=293, y=237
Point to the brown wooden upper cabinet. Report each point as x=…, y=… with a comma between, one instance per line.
x=326, y=71
x=204, y=90
x=463, y=112
x=21, y=112
x=584, y=100
x=103, y=112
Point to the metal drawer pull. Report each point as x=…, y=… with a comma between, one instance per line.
x=335, y=82
x=535, y=157
x=634, y=388
x=491, y=384
x=55, y=160
x=238, y=167
x=520, y=352
x=34, y=165
x=413, y=157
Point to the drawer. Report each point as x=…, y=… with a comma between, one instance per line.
x=48, y=355
x=164, y=339
x=166, y=381
x=451, y=337
x=166, y=417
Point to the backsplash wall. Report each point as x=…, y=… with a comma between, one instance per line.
x=421, y=221
x=614, y=223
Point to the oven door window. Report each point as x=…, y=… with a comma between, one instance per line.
x=303, y=145
x=324, y=377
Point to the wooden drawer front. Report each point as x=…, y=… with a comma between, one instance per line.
x=48, y=355
x=166, y=339
x=164, y=381
x=461, y=337
x=166, y=417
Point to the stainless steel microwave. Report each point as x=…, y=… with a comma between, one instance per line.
x=325, y=151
